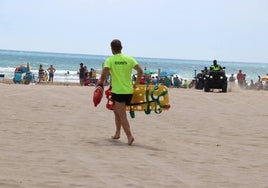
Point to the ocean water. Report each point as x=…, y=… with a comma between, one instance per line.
x=64, y=63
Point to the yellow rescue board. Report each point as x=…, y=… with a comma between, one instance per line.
x=149, y=98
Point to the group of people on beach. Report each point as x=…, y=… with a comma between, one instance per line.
x=42, y=74
x=239, y=79
x=242, y=82
x=29, y=76
x=173, y=80
x=87, y=77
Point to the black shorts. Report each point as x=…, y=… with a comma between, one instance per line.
x=122, y=98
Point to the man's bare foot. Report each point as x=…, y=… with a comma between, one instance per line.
x=130, y=141
x=115, y=137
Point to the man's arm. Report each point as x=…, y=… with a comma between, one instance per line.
x=104, y=74
x=139, y=73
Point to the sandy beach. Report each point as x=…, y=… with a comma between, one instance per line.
x=53, y=136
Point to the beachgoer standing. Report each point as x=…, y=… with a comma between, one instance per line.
x=41, y=73
x=120, y=67
x=231, y=82
x=240, y=78
x=86, y=71
x=81, y=74
x=51, y=70
x=232, y=78
x=41, y=70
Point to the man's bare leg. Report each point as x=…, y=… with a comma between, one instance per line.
x=118, y=126
x=120, y=112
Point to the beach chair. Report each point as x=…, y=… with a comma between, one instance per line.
x=17, y=77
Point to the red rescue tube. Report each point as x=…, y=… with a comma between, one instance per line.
x=97, y=95
x=110, y=102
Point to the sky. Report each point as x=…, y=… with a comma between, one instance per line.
x=226, y=30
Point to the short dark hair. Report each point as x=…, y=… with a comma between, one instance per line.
x=116, y=45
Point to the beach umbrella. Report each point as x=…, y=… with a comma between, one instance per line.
x=163, y=74
x=264, y=78
x=23, y=68
x=167, y=73
x=148, y=72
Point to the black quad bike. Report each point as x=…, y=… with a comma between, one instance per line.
x=199, y=84
x=215, y=80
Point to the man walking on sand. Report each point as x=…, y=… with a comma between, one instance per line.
x=120, y=67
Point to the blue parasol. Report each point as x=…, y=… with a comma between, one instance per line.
x=23, y=68
x=167, y=73
x=148, y=72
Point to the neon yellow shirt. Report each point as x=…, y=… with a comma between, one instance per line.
x=121, y=67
